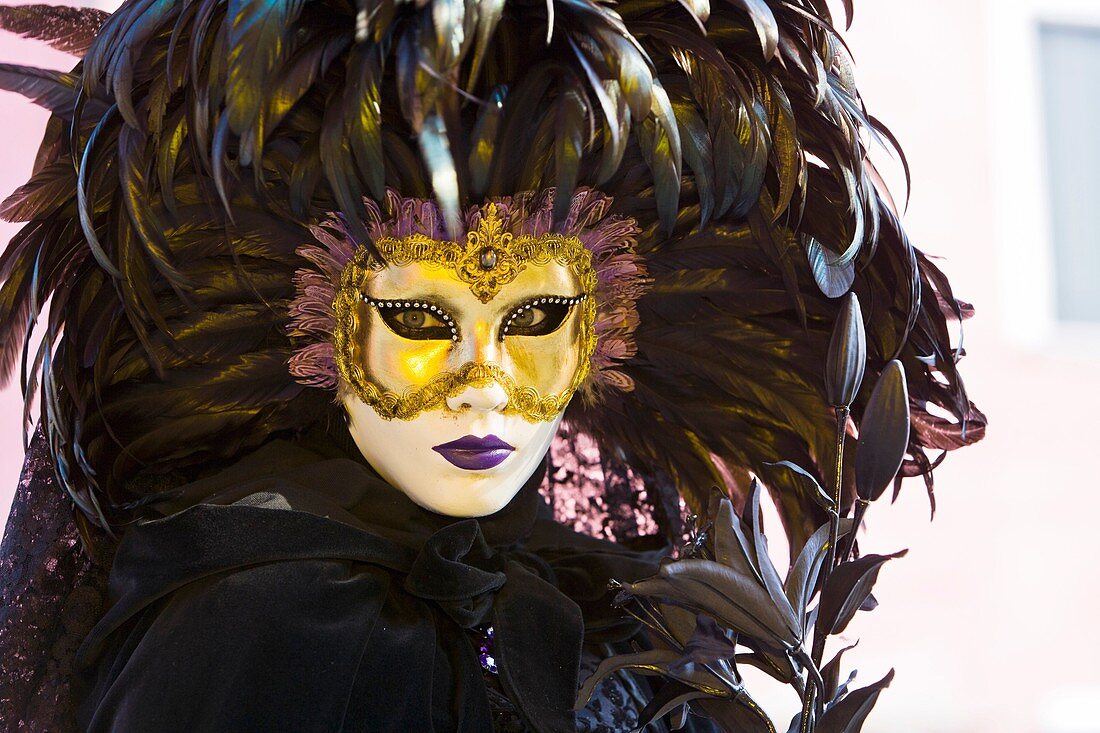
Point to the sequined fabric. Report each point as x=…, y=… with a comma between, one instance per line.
x=614, y=706
x=486, y=655
x=594, y=495
x=50, y=596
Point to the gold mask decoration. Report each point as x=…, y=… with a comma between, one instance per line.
x=491, y=257
x=439, y=317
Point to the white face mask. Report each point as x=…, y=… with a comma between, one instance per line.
x=454, y=396
x=403, y=452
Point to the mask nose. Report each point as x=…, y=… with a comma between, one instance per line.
x=492, y=398
x=479, y=344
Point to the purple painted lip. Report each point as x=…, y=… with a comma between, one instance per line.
x=472, y=453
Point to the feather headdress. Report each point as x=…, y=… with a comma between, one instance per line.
x=196, y=141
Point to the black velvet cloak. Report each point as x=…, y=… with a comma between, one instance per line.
x=306, y=594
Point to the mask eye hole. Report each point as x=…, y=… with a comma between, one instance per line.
x=539, y=316
x=415, y=319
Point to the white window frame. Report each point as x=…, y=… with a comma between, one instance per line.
x=1025, y=262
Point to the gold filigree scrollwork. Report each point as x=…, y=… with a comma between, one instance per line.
x=491, y=257
x=486, y=274
x=523, y=401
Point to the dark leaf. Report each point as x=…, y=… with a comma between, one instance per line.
x=883, y=433
x=803, y=576
x=772, y=582
x=653, y=662
x=769, y=663
x=830, y=674
x=731, y=545
x=848, y=588
x=679, y=718
x=848, y=715
x=813, y=487
x=842, y=687
x=742, y=714
x=679, y=622
x=735, y=600
x=672, y=696
x=708, y=643
x=847, y=357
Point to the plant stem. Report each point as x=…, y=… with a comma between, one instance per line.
x=806, y=724
x=834, y=520
x=861, y=509
x=838, y=487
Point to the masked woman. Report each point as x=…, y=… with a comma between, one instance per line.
x=355, y=307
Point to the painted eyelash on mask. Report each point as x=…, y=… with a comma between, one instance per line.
x=384, y=305
x=546, y=300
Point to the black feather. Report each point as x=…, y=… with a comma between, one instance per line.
x=71, y=30
x=54, y=90
x=258, y=31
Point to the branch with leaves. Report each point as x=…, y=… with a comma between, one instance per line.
x=722, y=604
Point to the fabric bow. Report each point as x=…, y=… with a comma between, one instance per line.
x=457, y=570
x=473, y=583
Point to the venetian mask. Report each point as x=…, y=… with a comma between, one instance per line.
x=456, y=358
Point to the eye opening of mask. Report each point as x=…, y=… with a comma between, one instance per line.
x=411, y=319
x=553, y=308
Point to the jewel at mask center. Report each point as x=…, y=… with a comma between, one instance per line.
x=488, y=258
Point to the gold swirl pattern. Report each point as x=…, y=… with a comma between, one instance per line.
x=486, y=274
x=523, y=401
x=491, y=257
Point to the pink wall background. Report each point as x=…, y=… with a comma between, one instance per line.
x=22, y=127
x=989, y=620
